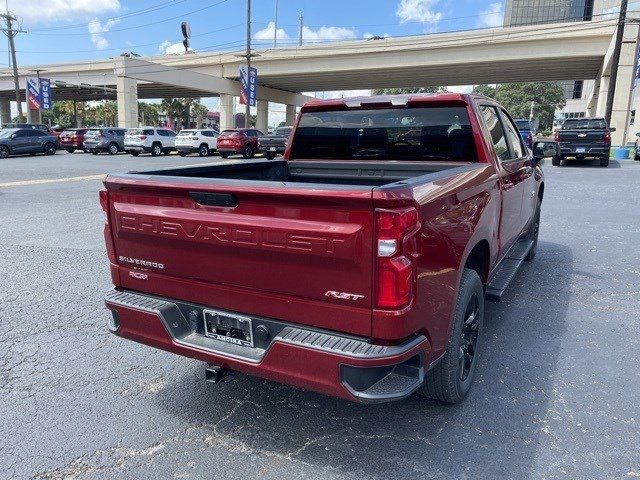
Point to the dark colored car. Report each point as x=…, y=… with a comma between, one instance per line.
x=104, y=139
x=36, y=126
x=72, y=139
x=526, y=132
x=16, y=141
x=243, y=141
x=274, y=143
x=357, y=266
x=581, y=138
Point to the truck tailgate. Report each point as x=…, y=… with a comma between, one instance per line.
x=255, y=249
x=581, y=137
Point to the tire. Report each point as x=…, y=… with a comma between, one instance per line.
x=94, y=152
x=156, y=150
x=4, y=151
x=49, y=148
x=183, y=154
x=604, y=161
x=534, y=231
x=247, y=152
x=70, y=150
x=555, y=161
x=224, y=155
x=112, y=148
x=203, y=150
x=134, y=153
x=451, y=378
x=270, y=156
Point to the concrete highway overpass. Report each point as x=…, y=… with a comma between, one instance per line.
x=562, y=51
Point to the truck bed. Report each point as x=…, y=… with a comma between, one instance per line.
x=371, y=174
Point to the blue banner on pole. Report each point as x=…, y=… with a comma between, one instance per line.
x=248, y=85
x=45, y=94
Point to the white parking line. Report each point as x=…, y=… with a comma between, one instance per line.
x=23, y=183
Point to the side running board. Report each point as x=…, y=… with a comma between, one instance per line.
x=506, y=271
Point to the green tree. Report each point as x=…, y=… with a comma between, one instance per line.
x=173, y=108
x=517, y=98
x=148, y=113
x=401, y=91
x=61, y=114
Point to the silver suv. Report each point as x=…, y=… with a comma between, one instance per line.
x=104, y=139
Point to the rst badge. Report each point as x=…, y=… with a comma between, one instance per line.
x=343, y=295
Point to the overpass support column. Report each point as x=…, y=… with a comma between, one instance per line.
x=262, y=117
x=127, y=102
x=601, y=103
x=5, y=110
x=226, y=112
x=291, y=114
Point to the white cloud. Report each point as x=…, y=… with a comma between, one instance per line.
x=492, y=16
x=168, y=48
x=267, y=33
x=421, y=11
x=327, y=34
x=97, y=29
x=33, y=11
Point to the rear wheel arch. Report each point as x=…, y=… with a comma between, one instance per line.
x=478, y=260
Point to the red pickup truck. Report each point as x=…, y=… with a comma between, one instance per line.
x=357, y=266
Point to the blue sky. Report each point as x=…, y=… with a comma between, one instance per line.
x=68, y=30
x=71, y=30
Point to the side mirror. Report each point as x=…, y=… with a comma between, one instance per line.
x=638, y=134
x=543, y=149
x=612, y=129
x=13, y=135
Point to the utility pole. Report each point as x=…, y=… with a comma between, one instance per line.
x=300, y=30
x=247, y=108
x=275, y=26
x=9, y=31
x=615, y=61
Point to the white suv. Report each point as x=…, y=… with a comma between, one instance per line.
x=202, y=142
x=153, y=140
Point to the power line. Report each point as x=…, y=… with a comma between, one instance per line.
x=139, y=26
x=116, y=17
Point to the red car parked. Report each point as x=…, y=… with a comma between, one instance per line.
x=357, y=266
x=242, y=141
x=72, y=139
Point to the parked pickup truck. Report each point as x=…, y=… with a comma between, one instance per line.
x=357, y=266
x=274, y=143
x=584, y=137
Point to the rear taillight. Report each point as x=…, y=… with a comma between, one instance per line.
x=142, y=137
x=529, y=139
x=396, y=254
x=556, y=136
x=108, y=239
x=607, y=137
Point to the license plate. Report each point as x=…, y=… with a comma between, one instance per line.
x=272, y=149
x=581, y=150
x=229, y=328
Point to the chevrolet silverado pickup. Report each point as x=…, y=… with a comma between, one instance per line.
x=584, y=137
x=357, y=266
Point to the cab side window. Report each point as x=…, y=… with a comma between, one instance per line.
x=498, y=136
x=513, y=136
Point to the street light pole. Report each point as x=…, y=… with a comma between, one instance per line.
x=275, y=26
x=615, y=60
x=104, y=91
x=247, y=108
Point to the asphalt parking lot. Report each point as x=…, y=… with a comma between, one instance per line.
x=556, y=396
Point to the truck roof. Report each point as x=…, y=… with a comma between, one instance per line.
x=397, y=100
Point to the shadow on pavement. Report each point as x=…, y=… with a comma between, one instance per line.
x=495, y=433
x=589, y=163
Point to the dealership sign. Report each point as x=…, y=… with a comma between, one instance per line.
x=248, y=85
x=39, y=93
